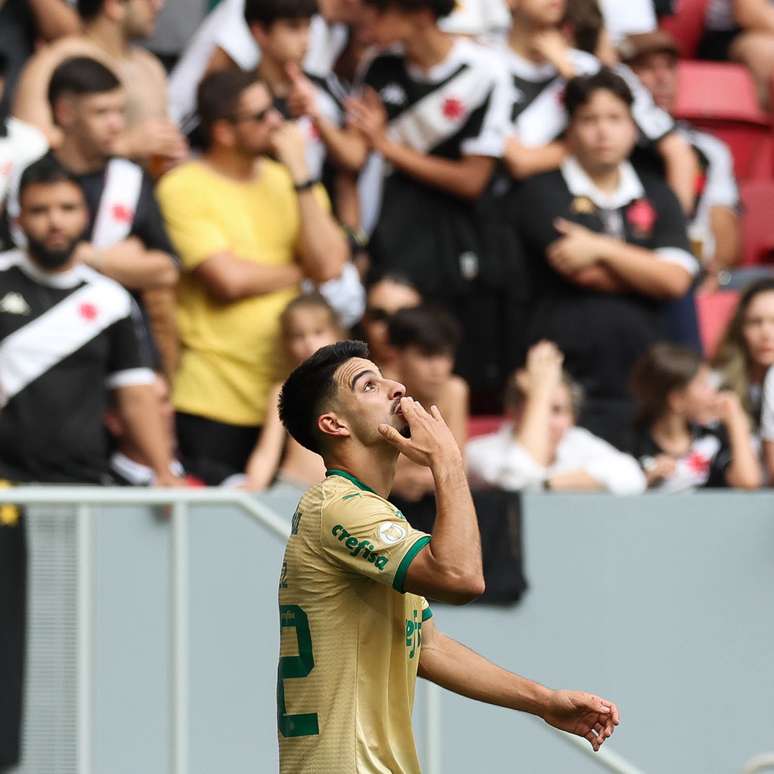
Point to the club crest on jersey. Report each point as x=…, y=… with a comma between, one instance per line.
x=453, y=108
x=88, y=312
x=122, y=213
x=362, y=548
x=14, y=303
x=393, y=94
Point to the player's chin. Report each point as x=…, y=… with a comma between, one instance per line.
x=401, y=425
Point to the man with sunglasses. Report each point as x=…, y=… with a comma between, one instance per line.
x=249, y=223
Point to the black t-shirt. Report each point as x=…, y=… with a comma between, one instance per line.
x=147, y=220
x=457, y=109
x=64, y=341
x=704, y=465
x=17, y=42
x=601, y=334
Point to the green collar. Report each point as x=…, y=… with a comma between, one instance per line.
x=356, y=481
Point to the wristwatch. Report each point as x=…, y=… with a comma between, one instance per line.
x=305, y=185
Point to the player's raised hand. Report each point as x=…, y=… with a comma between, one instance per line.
x=431, y=441
x=583, y=714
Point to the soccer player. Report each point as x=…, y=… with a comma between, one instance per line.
x=355, y=626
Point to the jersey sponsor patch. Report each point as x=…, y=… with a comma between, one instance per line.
x=362, y=548
x=391, y=533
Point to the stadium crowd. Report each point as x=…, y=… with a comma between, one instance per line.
x=495, y=195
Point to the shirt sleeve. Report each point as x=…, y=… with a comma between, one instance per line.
x=364, y=534
x=502, y=465
x=670, y=234
x=619, y=473
x=653, y=122
x=721, y=189
x=148, y=225
x=767, y=408
x=489, y=124
x=128, y=359
x=194, y=233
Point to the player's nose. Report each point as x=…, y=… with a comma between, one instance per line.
x=396, y=390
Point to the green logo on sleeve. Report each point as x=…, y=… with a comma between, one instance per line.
x=413, y=634
x=361, y=548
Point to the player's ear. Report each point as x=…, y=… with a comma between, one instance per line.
x=332, y=424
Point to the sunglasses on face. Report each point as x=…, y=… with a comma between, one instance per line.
x=377, y=314
x=255, y=117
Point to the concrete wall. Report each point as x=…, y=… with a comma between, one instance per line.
x=664, y=604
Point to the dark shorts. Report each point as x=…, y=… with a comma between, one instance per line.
x=211, y=450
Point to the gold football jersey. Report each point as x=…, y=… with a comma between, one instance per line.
x=350, y=638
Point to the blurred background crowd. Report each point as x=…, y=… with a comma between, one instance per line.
x=549, y=217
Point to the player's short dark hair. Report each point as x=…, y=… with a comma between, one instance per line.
x=81, y=76
x=439, y=8
x=266, y=12
x=580, y=90
x=89, y=9
x=430, y=329
x=218, y=95
x=310, y=387
x=46, y=171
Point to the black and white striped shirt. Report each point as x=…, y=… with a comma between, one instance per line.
x=65, y=339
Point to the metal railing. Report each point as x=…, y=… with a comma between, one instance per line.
x=84, y=499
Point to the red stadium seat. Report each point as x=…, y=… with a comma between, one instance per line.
x=686, y=25
x=757, y=222
x=715, y=311
x=721, y=98
x=484, y=425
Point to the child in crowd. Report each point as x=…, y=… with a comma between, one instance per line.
x=307, y=323
x=386, y=295
x=424, y=340
x=690, y=435
x=540, y=446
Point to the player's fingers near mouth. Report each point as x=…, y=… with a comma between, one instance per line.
x=436, y=412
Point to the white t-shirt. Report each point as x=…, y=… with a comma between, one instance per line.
x=720, y=188
x=767, y=407
x=500, y=461
x=225, y=28
x=628, y=18
x=22, y=145
x=486, y=20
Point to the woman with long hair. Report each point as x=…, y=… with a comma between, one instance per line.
x=690, y=435
x=745, y=360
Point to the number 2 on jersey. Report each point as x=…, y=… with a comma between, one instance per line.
x=293, y=617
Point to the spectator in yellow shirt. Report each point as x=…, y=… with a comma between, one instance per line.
x=249, y=223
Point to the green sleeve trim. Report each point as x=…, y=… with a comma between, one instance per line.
x=427, y=614
x=400, y=574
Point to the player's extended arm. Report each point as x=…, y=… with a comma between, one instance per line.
x=451, y=665
x=449, y=568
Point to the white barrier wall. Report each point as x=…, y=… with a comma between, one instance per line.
x=664, y=604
